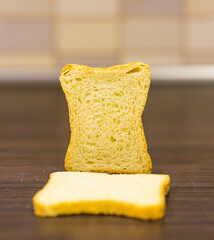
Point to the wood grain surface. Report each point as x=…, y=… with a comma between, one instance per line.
x=34, y=135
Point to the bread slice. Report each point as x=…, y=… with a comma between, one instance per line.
x=133, y=195
x=105, y=107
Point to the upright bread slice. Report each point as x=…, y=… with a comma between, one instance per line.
x=105, y=107
x=132, y=195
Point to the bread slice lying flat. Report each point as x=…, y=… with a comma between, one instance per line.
x=133, y=195
x=105, y=107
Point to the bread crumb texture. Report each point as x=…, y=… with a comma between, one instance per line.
x=133, y=195
x=105, y=107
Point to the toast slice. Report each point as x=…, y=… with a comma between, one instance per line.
x=133, y=195
x=105, y=107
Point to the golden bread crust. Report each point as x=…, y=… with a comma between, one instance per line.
x=105, y=107
x=157, y=187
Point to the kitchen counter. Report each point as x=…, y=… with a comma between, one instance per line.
x=34, y=135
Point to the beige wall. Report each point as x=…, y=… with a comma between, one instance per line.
x=51, y=33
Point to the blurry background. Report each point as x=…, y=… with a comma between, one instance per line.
x=176, y=38
x=38, y=37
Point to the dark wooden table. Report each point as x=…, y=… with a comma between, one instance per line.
x=34, y=134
